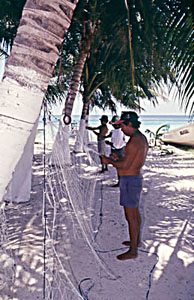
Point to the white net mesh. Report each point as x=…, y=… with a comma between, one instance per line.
x=58, y=244
x=71, y=229
x=81, y=216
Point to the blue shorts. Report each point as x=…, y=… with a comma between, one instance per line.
x=130, y=190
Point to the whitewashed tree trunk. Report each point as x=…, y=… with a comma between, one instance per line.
x=79, y=143
x=82, y=138
x=86, y=136
x=28, y=70
x=61, y=150
x=20, y=186
x=72, y=92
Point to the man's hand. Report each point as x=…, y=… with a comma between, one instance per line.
x=114, y=156
x=109, y=143
x=105, y=160
x=89, y=128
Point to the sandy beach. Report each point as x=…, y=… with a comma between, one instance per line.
x=68, y=249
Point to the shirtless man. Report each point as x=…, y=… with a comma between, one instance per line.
x=101, y=133
x=129, y=169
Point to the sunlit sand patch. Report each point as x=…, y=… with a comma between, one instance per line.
x=164, y=253
x=167, y=205
x=187, y=258
x=64, y=200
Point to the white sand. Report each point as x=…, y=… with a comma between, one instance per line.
x=166, y=257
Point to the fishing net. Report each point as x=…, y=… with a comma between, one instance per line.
x=61, y=240
x=71, y=223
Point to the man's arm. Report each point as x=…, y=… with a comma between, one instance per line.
x=108, y=136
x=97, y=133
x=92, y=128
x=110, y=160
x=130, y=153
x=109, y=143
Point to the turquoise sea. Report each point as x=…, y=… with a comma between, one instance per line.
x=151, y=122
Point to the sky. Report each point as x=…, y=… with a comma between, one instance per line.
x=163, y=107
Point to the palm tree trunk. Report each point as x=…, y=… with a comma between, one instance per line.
x=76, y=77
x=73, y=89
x=27, y=75
x=19, y=187
x=81, y=138
x=86, y=133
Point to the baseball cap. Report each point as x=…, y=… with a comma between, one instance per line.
x=129, y=116
x=104, y=118
x=114, y=119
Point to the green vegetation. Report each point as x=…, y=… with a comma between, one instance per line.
x=131, y=49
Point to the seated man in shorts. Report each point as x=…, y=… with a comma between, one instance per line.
x=129, y=169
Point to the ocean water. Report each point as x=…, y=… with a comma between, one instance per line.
x=151, y=122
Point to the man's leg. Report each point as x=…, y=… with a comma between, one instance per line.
x=101, y=165
x=139, y=224
x=102, y=151
x=139, y=243
x=133, y=218
x=104, y=167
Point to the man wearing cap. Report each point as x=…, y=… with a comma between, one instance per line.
x=103, y=130
x=129, y=169
x=117, y=142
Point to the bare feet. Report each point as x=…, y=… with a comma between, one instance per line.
x=127, y=255
x=128, y=243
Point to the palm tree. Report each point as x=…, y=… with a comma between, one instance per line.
x=151, y=61
x=86, y=25
x=10, y=15
x=178, y=18
x=27, y=74
x=153, y=40
x=168, y=22
x=98, y=88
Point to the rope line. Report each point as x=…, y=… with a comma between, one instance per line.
x=44, y=204
x=101, y=209
x=144, y=251
x=82, y=293
x=113, y=250
x=23, y=121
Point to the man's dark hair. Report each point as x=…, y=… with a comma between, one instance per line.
x=130, y=116
x=104, y=118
